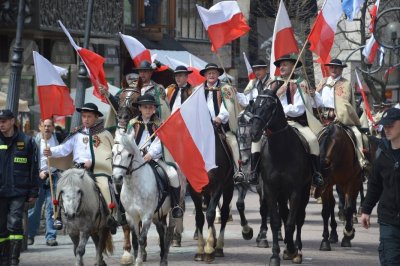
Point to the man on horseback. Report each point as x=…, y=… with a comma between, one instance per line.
x=294, y=98
x=144, y=126
x=179, y=92
x=338, y=103
x=247, y=98
x=91, y=148
x=223, y=107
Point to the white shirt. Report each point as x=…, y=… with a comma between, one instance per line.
x=328, y=93
x=154, y=147
x=223, y=113
x=78, y=144
x=293, y=110
x=43, y=159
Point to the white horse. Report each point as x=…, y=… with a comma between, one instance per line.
x=139, y=196
x=83, y=215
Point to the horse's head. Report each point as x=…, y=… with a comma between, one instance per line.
x=264, y=109
x=126, y=156
x=127, y=107
x=125, y=114
x=71, y=194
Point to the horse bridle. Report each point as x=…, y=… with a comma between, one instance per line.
x=128, y=169
x=266, y=123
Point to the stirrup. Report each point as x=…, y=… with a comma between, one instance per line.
x=239, y=177
x=177, y=212
x=58, y=225
x=317, y=180
x=253, y=178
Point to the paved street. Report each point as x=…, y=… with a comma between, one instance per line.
x=237, y=251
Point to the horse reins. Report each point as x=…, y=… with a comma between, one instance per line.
x=127, y=168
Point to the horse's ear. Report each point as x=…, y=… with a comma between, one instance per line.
x=127, y=143
x=276, y=85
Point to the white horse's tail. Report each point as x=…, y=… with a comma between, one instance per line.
x=109, y=246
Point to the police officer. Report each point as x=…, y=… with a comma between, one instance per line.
x=18, y=184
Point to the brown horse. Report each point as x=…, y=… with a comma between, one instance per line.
x=126, y=103
x=340, y=167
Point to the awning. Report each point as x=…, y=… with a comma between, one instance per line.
x=189, y=59
x=22, y=105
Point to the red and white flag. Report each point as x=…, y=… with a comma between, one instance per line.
x=194, y=147
x=136, y=49
x=224, y=23
x=250, y=73
x=371, y=47
x=194, y=78
x=283, y=40
x=93, y=63
x=54, y=97
x=323, y=32
x=365, y=99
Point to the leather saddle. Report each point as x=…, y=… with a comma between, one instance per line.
x=161, y=181
x=302, y=139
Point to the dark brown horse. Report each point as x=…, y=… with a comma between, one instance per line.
x=286, y=174
x=220, y=184
x=126, y=103
x=340, y=167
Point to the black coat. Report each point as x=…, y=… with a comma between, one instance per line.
x=384, y=186
x=19, y=173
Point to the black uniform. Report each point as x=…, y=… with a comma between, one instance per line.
x=18, y=181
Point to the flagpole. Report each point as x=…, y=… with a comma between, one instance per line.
x=51, y=181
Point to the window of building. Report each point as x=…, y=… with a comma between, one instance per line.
x=188, y=22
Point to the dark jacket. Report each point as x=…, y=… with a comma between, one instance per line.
x=19, y=173
x=384, y=186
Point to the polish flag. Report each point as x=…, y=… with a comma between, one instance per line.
x=194, y=78
x=323, y=32
x=94, y=66
x=194, y=147
x=250, y=72
x=283, y=41
x=224, y=23
x=365, y=99
x=370, y=50
x=54, y=97
x=136, y=49
x=373, y=13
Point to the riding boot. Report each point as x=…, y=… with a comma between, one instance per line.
x=15, y=251
x=5, y=253
x=317, y=179
x=177, y=211
x=57, y=224
x=254, y=159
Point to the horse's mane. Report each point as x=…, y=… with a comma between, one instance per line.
x=79, y=178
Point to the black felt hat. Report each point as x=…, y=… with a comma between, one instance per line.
x=211, y=66
x=89, y=107
x=182, y=69
x=288, y=57
x=336, y=62
x=146, y=99
x=259, y=63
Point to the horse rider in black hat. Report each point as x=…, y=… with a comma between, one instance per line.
x=295, y=99
x=222, y=104
x=91, y=149
x=144, y=126
x=249, y=95
x=178, y=92
x=338, y=102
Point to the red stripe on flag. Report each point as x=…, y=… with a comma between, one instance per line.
x=195, y=78
x=223, y=33
x=145, y=55
x=184, y=150
x=55, y=100
x=373, y=52
x=321, y=38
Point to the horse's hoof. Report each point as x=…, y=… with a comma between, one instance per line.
x=346, y=242
x=219, y=252
x=217, y=220
x=274, y=261
x=248, y=235
x=208, y=258
x=333, y=239
x=176, y=243
x=325, y=246
x=355, y=220
x=319, y=200
x=163, y=263
x=289, y=256
x=263, y=243
x=298, y=259
x=126, y=259
x=199, y=257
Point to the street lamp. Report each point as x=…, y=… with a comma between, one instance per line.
x=393, y=33
x=16, y=63
x=83, y=80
